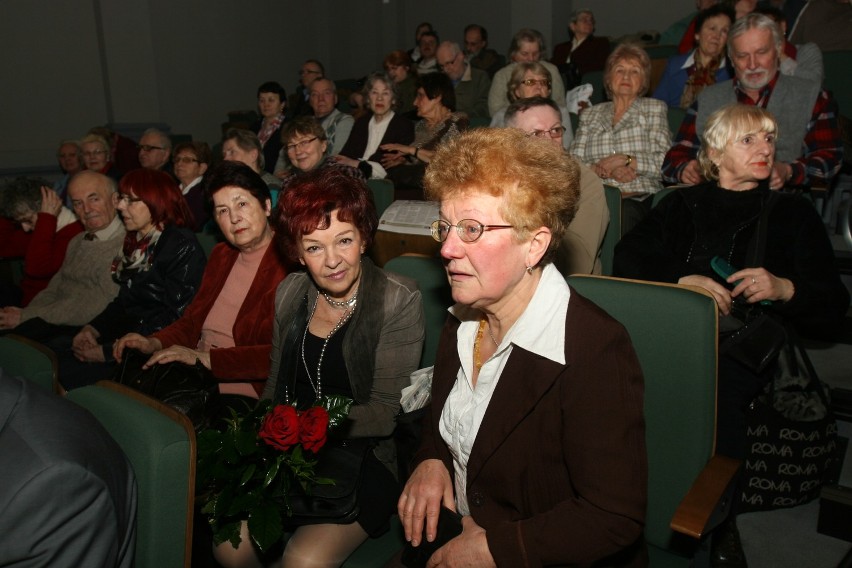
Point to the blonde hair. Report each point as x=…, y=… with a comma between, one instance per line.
x=628, y=52
x=539, y=184
x=517, y=77
x=730, y=123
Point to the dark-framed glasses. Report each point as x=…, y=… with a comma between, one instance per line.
x=148, y=147
x=128, y=199
x=186, y=160
x=555, y=132
x=301, y=145
x=468, y=230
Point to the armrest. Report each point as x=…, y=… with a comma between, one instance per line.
x=705, y=497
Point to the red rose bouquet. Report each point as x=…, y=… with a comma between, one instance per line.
x=247, y=470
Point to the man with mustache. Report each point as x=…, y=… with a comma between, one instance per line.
x=83, y=286
x=809, y=148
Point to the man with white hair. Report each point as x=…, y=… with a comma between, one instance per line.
x=580, y=249
x=809, y=148
x=155, y=150
x=471, y=85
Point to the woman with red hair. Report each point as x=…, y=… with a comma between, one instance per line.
x=159, y=271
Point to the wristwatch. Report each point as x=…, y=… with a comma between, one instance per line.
x=629, y=160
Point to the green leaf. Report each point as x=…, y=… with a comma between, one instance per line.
x=249, y=471
x=273, y=469
x=265, y=526
x=338, y=408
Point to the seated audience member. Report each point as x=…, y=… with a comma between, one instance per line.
x=688, y=74
x=68, y=493
x=271, y=102
x=399, y=68
x=357, y=105
x=155, y=150
x=527, y=46
x=624, y=140
x=299, y=101
x=240, y=145
x=580, y=247
x=825, y=23
x=797, y=275
x=97, y=156
x=360, y=337
x=70, y=157
x=83, y=286
x=673, y=34
x=478, y=54
x=741, y=8
x=228, y=325
x=337, y=125
x=191, y=162
x=809, y=150
x=804, y=60
x=584, y=50
x=125, y=154
x=547, y=369
x=381, y=126
x=428, y=44
x=471, y=85
x=307, y=150
x=158, y=273
x=439, y=122
x=532, y=80
x=36, y=227
x=414, y=52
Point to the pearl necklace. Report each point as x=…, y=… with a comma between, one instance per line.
x=343, y=305
x=350, y=308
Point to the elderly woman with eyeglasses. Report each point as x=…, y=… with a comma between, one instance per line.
x=97, y=156
x=306, y=144
x=625, y=140
x=527, y=372
x=532, y=79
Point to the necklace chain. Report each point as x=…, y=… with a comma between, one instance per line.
x=343, y=305
x=350, y=308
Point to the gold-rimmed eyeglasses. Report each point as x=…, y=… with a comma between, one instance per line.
x=468, y=230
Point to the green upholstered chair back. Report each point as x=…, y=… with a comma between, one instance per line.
x=25, y=358
x=382, y=190
x=432, y=280
x=660, y=195
x=673, y=329
x=675, y=117
x=613, y=231
x=596, y=80
x=160, y=444
x=838, y=78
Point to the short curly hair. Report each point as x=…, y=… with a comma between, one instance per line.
x=539, y=184
x=628, y=51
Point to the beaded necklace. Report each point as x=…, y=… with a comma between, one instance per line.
x=350, y=309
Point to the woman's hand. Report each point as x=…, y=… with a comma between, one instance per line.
x=781, y=172
x=428, y=487
x=758, y=284
x=691, y=174
x=135, y=341
x=392, y=159
x=398, y=148
x=719, y=292
x=605, y=167
x=470, y=548
x=345, y=161
x=623, y=174
x=86, y=347
x=178, y=353
x=50, y=202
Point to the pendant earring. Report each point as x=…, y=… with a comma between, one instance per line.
x=529, y=269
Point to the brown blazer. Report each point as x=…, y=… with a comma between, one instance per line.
x=558, y=472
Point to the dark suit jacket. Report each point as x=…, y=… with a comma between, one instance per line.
x=558, y=472
x=272, y=147
x=400, y=131
x=67, y=492
x=589, y=56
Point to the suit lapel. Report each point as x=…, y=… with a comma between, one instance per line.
x=524, y=380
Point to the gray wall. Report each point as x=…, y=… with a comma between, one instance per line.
x=70, y=65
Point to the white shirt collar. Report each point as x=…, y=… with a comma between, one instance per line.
x=691, y=60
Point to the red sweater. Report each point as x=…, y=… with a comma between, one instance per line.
x=43, y=250
x=249, y=359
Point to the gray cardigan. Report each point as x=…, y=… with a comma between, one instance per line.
x=381, y=348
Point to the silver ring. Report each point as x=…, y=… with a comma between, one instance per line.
x=753, y=280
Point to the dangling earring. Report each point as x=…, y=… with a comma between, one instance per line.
x=529, y=269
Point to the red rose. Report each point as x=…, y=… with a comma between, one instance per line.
x=280, y=428
x=313, y=426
